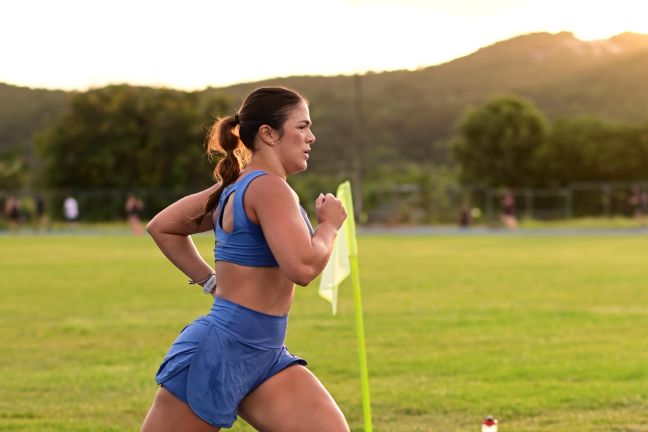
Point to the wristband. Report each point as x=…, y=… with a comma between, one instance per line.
x=207, y=284
x=210, y=284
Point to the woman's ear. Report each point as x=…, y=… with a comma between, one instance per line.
x=268, y=135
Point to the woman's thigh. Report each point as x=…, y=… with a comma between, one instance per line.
x=171, y=414
x=292, y=400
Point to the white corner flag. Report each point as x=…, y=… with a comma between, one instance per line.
x=338, y=267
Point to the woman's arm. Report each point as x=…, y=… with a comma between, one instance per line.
x=301, y=257
x=171, y=229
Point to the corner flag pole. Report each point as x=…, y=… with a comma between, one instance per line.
x=345, y=188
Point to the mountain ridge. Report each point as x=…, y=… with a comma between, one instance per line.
x=410, y=114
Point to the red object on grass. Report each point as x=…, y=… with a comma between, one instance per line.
x=490, y=421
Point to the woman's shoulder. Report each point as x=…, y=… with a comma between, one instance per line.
x=268, y=183
x=270, y=189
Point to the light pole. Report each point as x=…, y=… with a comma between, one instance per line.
x=358, y=146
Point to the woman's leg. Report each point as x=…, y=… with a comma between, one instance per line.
x=290, y=401
x=169, y=414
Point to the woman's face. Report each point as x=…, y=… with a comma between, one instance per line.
x=295, y=143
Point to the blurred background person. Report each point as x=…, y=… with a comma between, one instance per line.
x=12, y=211
x=464, y=216
x=71, y=211
x=40, y=216
x=508, y=210
x=639, y=203
x=134, y=206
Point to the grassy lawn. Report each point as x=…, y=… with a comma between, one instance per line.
x=545, y=333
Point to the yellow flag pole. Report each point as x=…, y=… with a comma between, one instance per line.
x=362, y=355
x=357, y=300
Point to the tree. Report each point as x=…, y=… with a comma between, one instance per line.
x=12, y=171
x=594, y=149
x=498, y=141
x=129, y=137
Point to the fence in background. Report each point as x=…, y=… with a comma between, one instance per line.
x=399, y=204
x=413, y=204
x=95, y=205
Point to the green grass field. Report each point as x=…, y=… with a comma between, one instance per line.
x=545, y=333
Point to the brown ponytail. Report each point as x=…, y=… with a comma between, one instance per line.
x=225, y=144
x=232, y=138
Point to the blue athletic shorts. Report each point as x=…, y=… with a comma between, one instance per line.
x=222, y=357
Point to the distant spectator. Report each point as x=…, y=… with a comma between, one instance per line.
x=639, y=202
x=134, y=207
x=40, y=220
x=464, y=216
x=71, y=210
x=12, y=210
x=508, y=210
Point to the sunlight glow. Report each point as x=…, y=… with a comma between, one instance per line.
x=73, y=44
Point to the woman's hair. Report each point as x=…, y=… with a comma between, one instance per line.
x=232, y=137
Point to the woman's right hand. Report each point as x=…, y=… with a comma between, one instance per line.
x=329, y=209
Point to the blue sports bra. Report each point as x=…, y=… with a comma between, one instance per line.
x=245, y=244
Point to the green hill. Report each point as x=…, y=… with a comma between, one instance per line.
x=24, y=110
x=409, y=115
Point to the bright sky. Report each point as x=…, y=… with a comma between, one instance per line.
x=190, y=44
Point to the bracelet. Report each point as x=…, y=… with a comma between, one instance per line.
x=201, y=282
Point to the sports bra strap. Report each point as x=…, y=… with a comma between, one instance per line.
x=242, y=220
x=238, y=188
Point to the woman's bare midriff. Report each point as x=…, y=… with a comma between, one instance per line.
x=264, y=289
